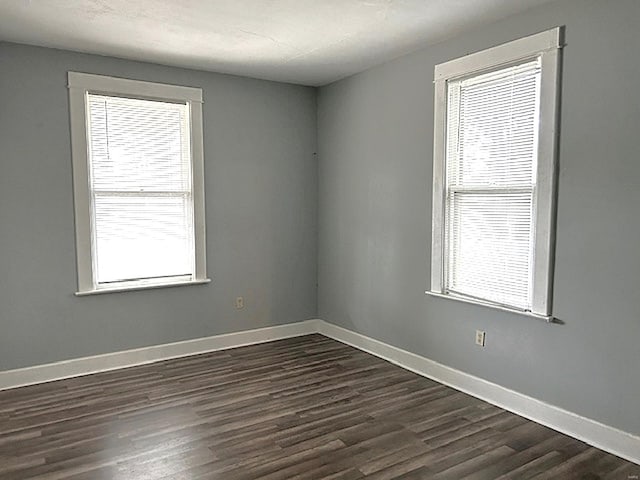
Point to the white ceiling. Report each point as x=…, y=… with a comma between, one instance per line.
x=311, y=42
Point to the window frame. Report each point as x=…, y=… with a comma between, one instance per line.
x=548, y=46
x=80, y=85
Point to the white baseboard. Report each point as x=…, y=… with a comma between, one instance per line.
x=607, y=438
x=110, y=361
x=594, y=433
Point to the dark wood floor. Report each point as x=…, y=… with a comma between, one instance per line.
x=303, y=408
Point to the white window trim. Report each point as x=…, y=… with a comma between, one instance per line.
x=80, y=84
x=547, y=45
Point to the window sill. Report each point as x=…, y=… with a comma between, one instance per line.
x=138, y=286
x=546, y=318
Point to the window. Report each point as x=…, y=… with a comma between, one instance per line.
x=138, y=183
x=495, y=175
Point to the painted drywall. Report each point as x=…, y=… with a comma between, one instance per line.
x=375, y=143
x=261, y=202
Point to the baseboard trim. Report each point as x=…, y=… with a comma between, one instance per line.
x=618, y=442
x=599, y=435
x=128, y=358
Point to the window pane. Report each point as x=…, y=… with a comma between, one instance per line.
x=492, y=142
x=490, y=238
x=139, y=144
x=493, y=132
x=143, y=237
x=141, y=183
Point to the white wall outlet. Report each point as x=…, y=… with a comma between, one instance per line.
x=480, y=335
x=239, y=302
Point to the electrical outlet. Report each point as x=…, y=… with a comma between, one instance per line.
x=480, y=335
x=239, y=302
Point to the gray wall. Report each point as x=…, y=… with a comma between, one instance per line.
x=261, y=204
x=375, y=145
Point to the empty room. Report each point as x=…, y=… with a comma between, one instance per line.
x=319, y=239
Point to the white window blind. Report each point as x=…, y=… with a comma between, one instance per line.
x=140, y=181
x=491, y=163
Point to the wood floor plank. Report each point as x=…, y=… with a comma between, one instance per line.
x=303, y=408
